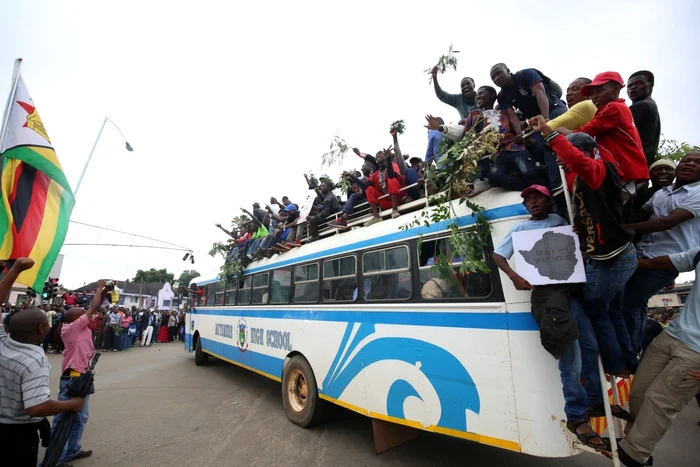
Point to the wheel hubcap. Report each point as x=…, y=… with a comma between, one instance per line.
x=297, y=391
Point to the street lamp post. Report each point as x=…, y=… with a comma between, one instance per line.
x=128, y=148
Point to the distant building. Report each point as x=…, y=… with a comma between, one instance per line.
x=674, y=298
x=150, y=295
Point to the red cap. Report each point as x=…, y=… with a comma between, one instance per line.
x=538, y=188
x=601, y=79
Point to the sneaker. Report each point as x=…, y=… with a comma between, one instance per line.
x=114, y=350
x=373, y=220
x=395, y=213
x=479, y=186
x=339, y=222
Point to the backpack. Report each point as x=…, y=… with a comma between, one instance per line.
x=550, y=84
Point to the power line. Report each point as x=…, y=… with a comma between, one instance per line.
x=125, y=245
x=180, y=247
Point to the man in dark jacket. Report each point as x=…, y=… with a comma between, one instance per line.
x=571, y=341
x=330, y=206
x=605, y=241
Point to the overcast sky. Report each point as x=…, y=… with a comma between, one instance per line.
x=227, y=103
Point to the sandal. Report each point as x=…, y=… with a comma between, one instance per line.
x=616, y=410
x=586, y=438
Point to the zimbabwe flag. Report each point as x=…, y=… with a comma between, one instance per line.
x=36, y=198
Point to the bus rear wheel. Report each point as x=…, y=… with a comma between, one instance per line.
x=300, y=393
x=200, y=358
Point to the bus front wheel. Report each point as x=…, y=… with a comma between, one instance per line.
x=200, y=358
x=300, y=394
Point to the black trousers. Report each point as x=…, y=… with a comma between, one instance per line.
x=171, y=333
x=19, y=445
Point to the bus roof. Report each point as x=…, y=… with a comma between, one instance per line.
x=499, y=204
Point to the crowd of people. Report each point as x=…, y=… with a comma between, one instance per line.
x=627, y=137
x=630, y=255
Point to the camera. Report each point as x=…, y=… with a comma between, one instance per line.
x=109, y=286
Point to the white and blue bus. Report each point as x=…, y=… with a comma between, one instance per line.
x=360, y=319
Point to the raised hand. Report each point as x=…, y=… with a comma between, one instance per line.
x=432, y=123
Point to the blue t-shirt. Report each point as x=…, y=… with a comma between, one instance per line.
x=686, y=326
x=434, y=140
x=505, y=249
x=520, y=96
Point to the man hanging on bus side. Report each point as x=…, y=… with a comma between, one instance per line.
x=571, y=341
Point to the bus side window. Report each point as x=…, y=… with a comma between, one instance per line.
x=211, y=294
x=220, y=290
x=306, y=283
x=441, y=282
x=260, y=289
x=243, y=294
x=340, y=279
x=231, y=291
x=387, y=274
x=281, y=286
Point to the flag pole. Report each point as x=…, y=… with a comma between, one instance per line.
x=8, y=105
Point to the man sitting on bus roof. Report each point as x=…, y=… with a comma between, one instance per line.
x=357, y=196
x=386, y=180
x=330, y=206
x=511, y=157
x=572, y=341
x=606, y=243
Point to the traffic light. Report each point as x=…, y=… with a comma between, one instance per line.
x=45, y=291
x=53, y=288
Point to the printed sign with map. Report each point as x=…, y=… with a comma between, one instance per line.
x=549, y=256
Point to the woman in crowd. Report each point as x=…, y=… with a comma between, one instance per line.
x=124, y=338
x=163, y=333
x=182, y=326
x=172, y=326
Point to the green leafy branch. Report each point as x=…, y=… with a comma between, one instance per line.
x=446, y=61
x=336, y=152
x=453, y=173
x=398, y=126
x=232, y=265
x=674, y=150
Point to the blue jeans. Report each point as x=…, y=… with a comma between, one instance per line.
x=641, y=287
x=72, y=447
x=541, y=152
x=353, y=200
x=522, y=163
x=580, y=360
x=602, y=301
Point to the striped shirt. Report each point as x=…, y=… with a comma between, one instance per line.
x=24, y=379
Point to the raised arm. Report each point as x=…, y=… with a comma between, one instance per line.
x=20, y=264
x=449, y=99
x=227, y=232
x=397, y=150
x=100, y=294
x=255, y=219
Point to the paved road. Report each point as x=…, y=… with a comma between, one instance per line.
x=154, y=407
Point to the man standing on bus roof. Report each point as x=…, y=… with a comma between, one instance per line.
x=533, y=93
x=576, y=349
x=669, y=374
x=464, y=102
x=645, y=112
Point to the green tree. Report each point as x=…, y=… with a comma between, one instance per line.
x=153, y=275
x=239, y=221
x=184, y=280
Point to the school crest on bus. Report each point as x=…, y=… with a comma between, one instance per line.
x=242, y=340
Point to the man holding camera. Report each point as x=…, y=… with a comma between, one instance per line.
x=78, y=353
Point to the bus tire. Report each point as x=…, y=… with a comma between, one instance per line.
x=300, y=393
x=200, y=358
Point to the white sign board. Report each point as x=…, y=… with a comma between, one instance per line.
x=549, y=256
x=305, y=208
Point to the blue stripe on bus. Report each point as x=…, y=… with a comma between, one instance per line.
x=463, y=221
x=498, y=321
x=258, y=361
